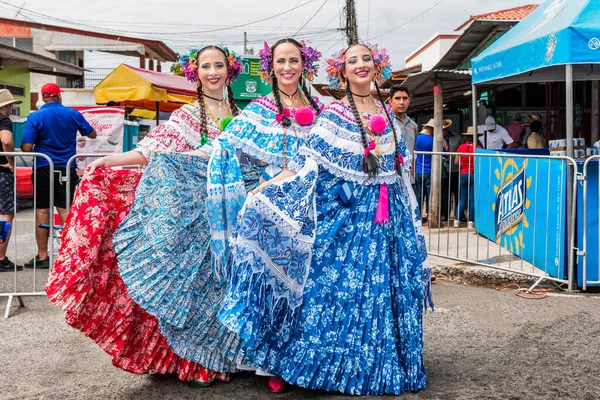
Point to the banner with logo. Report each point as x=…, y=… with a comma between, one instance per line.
x=249, y=86
x=521, y=205
x=109, y=123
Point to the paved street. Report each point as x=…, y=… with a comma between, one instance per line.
x=480, y=344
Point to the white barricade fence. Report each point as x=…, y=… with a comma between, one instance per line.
x=511, y=212
x=70, y=168
x=22, y=247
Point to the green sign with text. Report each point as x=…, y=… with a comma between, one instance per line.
x=248, y=85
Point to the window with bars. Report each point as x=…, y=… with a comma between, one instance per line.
x=13, y=89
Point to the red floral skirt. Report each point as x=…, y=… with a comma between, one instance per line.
x=85, y=282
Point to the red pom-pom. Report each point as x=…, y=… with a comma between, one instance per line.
x=377, y=124
x=305, y=116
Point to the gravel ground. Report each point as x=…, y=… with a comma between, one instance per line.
x=480, y=344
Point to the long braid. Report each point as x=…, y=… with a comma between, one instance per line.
x=397, y=164
x=370, y=163
x=234, y=108
x=203, y=117
x=285, y=121
x=311, y=99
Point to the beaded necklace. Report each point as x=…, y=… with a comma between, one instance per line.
x=375, y=137
x=284, y=141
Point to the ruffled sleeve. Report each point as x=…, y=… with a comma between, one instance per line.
x=257, y=133
x=335, y=144
x=180, y=133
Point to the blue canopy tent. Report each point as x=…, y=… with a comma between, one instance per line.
x=557, y=42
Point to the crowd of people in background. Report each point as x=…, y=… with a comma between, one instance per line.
x=457, y=172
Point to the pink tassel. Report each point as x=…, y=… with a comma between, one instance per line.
x=383, y=208
x=372, y=146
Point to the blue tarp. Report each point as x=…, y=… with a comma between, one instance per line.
x=558, y=32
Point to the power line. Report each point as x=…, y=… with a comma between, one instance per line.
x=285, y=19
x=368, y=19
x=410, y=20
x=310, y=19
x=332, y=46
x=329, y=23
x=146, y=32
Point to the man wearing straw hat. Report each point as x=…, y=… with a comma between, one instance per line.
x=422, y=162
x=533, y=117
x=52, y=130
x=7, y=184
x=450, y=179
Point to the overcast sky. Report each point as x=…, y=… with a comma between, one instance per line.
x=183, y=23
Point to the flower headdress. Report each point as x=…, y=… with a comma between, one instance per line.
x=310, y=54
x=336, y=65
x=189, y=64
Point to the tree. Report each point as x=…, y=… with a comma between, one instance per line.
x=176, y=69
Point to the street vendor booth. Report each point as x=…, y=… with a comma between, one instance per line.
x=558, y=42
x=142, y=89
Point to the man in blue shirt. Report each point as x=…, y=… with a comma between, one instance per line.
x=52, y=130
x=422, y=168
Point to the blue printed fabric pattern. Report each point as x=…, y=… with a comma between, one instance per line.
x=259, y=138
x=257, y=133
x=225, y=198
x=164, y=259
x=357, y=328
x=272, y=247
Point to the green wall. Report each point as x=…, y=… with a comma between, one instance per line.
x=19, y=77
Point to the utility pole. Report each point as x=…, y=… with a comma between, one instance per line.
x=351, y=23
x=245, y=43
x=436, y=161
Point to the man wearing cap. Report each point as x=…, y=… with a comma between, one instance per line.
x=7, y=183
x=497, y=136
x=422, y=163
x=515, y=128
x=450, y=180
x=52, y=130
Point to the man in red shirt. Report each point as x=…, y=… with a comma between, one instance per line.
x=515, y=129
x=467, y=179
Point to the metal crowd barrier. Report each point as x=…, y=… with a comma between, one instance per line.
x=16, y=289
x=68, y=167
x=590, y=238
x=524, y=214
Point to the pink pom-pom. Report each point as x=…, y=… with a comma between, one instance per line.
x=305, y=116
x=377, y=124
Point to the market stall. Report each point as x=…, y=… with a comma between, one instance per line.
x=558, y=42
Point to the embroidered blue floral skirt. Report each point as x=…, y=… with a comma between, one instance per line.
x=358, y=329
x=164, y=259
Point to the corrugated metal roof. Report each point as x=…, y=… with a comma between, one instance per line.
x=474, y=38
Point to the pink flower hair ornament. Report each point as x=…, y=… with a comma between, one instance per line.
x=189, y=64
x=311, y=58
x=336, y=65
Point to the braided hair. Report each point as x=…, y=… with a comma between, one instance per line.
x=311, y=99
x=370, y=163
x=234, y=108
x=397, y=164
x=286, y=121
x=203, y=116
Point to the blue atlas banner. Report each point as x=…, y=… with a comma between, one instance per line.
x=521, y=205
